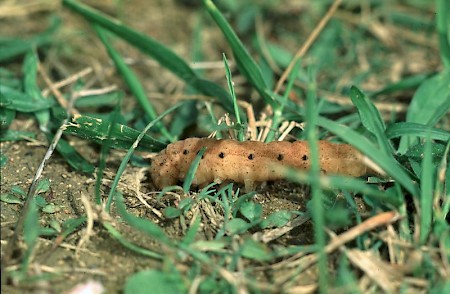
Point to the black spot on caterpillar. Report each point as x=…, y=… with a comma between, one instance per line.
x=250, y=162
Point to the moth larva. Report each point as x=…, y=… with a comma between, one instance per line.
x=250, y=162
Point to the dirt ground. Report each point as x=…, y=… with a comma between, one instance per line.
x=101, y=257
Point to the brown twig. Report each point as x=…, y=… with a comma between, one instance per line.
x=311, y=38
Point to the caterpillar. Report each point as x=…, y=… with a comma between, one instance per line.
x=250, y=162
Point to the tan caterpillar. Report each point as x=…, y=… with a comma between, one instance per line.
x=250, y=162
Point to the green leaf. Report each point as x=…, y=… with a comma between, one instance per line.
x=10, y=198
x=51, y=208
x=276, y=219
x=237, y=226
x=415, y=129
x=387, y=163
x=31, y=88
x=6, y=118
x=211, y=245
x=122, y=136
x=371, y=118
x=192, y=170
x=251, y=211
x=11, y=135
x=144, y=225
x=42, y=186
x=255, y=250
x=172, y=212
x=429, y=104
x=16, y=100
x=156, y=281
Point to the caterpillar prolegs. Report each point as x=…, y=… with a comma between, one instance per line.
x=250, y=162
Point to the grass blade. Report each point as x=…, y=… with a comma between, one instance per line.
x=415, y=129
x=426, y=195
x=122, y=137
x=233, y=96
x=429, y=104
x=30, y=67
x=166, y=57
x=132, y=81
x=317, y=213
x=387, y=163
x=130, y=151
x=371, y=118
x=192, y=169
x=247, y=66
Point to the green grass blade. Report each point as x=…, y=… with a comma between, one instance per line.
x=414, y=129
x=192, y=170
x=132, y=81
x=73, y=158
x=31, y=230
x=426, y=195
x=371, y=118
x=247, y=66
x=122, y=137
x=166, y=57
x=318, y=211
x=233, y=96
x=429, y=104
x=387, y=163
x=410, y=82
x=144, y=225
x=443, y=30
x=133, y=247
x=6, y=118
x=130, y=151
x=279, y=108
x=30, y=68
x=106, y=146
x=10, y=48
x=16, y=100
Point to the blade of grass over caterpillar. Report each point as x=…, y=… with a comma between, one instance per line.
x=246, y=65
x=386, y=163
x=132, y=81
x=415, y=129
x=130, y=151
x=192, y=170
x=165, y=56
x=317, y=213
x=371, y=119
